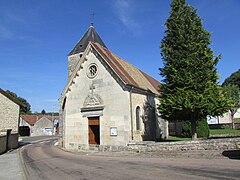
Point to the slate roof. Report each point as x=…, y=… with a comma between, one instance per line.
x=90, y=35
x=129, y=74
x=15, y=100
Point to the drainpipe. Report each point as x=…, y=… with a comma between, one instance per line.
x=131, y=113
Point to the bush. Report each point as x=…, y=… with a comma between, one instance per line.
x=186, y=129
x=202, y=129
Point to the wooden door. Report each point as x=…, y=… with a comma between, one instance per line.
x=93, y=130
x=91, y=136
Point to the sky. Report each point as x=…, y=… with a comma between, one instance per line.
x=36, y=36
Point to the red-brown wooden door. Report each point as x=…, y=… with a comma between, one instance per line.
x=93, y=130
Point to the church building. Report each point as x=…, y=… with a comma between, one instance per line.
x=106, y=100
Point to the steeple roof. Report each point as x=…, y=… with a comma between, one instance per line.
x=90, y=35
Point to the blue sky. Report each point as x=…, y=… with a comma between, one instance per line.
x=36, y=36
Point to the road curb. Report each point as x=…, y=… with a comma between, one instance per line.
x=22, y=165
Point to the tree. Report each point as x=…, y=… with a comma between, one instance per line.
x=189, y=89
x=43, y=112
x=233, y=79
x=233, y=93
x=23, y=110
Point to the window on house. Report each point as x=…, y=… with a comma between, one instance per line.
x=138, y=118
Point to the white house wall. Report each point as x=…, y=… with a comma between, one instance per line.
x=226, y=118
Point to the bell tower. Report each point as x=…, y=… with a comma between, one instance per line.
x=76, y=53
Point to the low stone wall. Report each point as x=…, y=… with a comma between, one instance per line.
x=7, y=143
x=13, y=141
x=3, y=143
x=212, y=144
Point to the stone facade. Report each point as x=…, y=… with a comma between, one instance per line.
x=105, y=97
x=116, y=112
x=9, y=114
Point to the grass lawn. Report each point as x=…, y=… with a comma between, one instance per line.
x=227, y=132
x=213, y=133
x=174, y=138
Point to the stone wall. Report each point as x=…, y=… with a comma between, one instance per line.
x=9, y=114
x=183, y=146
x=12, y=140
x=3, y=141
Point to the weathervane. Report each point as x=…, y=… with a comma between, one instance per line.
x=93, y=14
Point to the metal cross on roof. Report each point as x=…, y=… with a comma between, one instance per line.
x=93, y=14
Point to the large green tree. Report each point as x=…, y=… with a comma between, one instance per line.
x=23, y=110
x=189, y=89
x=233, y=79
x=233, y=94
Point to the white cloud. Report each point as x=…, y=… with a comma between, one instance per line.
x=125, y=11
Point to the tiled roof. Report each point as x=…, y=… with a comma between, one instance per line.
x=33, y=118
x=129, y=74
x=30, y=119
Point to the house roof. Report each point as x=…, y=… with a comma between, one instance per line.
x=33, y=118
x=30, y=119
x=90, y=36
x=128, y=73
x=15, y=100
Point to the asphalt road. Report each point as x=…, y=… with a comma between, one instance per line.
x=42, y=160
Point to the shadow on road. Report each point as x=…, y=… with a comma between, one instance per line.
x=233, y=154
x=20, y=144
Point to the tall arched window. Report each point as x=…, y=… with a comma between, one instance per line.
x=138, y=118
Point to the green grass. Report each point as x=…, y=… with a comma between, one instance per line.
x=174, y=138
x=213, y=132
x=227, y=132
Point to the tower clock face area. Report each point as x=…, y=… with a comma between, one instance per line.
x=92, y=71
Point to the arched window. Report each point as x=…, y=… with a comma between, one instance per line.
x=138, y=118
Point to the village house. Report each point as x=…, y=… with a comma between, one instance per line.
x=9, y=112
x=224, y=121
x=40, y=124
x=106, y=100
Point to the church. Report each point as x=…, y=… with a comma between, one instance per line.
x=106, y=100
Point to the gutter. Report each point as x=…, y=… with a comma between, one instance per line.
x=131, y=113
